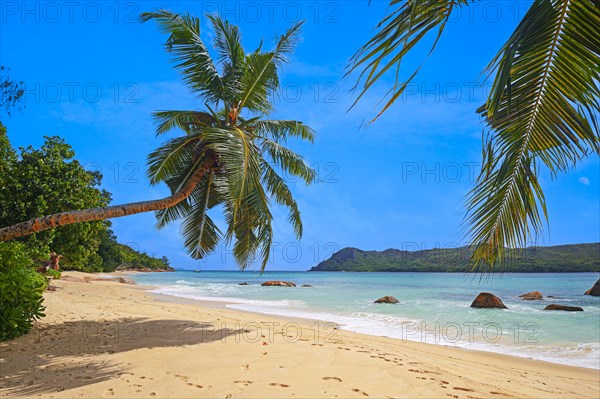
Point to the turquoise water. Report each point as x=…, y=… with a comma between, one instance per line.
x=434, y=307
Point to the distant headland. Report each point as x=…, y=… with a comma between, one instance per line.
x=555, y=259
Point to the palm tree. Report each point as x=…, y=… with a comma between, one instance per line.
x=230, y=154
x=542, y=109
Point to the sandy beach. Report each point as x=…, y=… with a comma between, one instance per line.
x=108, y=339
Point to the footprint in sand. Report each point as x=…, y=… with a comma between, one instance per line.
x=244, y=383
x=275, y=384
x=332, y=379
x=109, y=392
x=359, y=391
x=245, y=367
x=463, y=389
x=183, y=378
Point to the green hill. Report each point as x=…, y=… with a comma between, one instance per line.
x=556, y=259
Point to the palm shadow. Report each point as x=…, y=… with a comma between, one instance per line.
x=53, y=358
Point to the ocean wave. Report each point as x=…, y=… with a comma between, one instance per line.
x=360, y=315
x=410, y=329
x=193, y=293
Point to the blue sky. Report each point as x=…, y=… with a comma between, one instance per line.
x=94, y=74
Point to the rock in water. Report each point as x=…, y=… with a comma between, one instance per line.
x=278, y=284
x=532, y=296
x=487, y=300
x=243, y=283
x=595, y=290
x=563, y=307
x=306, y=285
x=387, y=299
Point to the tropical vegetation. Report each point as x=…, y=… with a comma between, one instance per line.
x=557, y=259
x=542, y=109
x=36, y=182
x=21, y=288
x=117, y=256
x=229, y=154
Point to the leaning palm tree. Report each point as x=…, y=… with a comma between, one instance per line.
x=542, y=109
x=230, y=153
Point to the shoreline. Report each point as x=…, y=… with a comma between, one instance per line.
x=104, y=338
x=171, y=298
x=584, y=354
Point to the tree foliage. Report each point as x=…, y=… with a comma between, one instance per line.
x=120, y=256
x=21, y=288
x=243, y=148
x=11, y=91
x=558, y=259
x=36, y=182
x=49, y=180
x=230, y=155
x=542, y=110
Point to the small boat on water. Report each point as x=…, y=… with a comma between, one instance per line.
x=197, y=271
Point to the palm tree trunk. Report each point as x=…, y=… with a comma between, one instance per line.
x=115, y=211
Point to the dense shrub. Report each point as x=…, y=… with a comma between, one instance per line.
x=21, y=289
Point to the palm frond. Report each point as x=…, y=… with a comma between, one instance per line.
x=260, y=82
x=172, y=157
x=190, y=53
x=288, y=160
x=231, y=147
x=201, y=235
x=187, y=121
x=260, y=77
x=397, y=34
x=280, y=191
x=280, y=130
x=544, y=95
x=174, y=213
x=228, y=44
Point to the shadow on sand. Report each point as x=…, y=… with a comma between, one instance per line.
x=59, y=357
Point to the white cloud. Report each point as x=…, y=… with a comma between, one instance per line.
x=584, y=180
